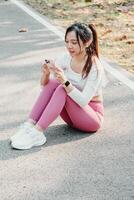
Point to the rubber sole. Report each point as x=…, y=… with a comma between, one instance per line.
x=15, y=146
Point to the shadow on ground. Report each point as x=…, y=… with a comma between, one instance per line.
x=58, y=134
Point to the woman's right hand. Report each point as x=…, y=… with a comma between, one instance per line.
x=45, y=74
x=45, y=69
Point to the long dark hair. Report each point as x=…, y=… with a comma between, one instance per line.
x=86, y=33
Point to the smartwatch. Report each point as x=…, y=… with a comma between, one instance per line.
x=67, y=83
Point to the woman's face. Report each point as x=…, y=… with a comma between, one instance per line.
x=72, y=44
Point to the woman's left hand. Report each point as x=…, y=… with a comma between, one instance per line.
x=59, y=75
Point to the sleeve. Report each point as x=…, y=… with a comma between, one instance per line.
x=91, y=85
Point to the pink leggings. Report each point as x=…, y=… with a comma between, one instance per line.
x=54, y=101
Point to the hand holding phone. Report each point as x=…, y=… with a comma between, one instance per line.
x=50, y=64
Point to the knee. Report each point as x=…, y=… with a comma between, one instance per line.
x=52, y=84
x=61, y=89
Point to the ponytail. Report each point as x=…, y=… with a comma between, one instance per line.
x=94, y=44
x=92, y=50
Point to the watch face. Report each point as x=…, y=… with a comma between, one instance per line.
x=67, y=83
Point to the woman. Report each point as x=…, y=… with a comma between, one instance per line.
x=74, y=92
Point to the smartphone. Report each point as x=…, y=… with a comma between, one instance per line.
x=47, y=61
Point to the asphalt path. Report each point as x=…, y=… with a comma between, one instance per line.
x=72, y=165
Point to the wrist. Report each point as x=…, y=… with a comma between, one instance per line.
x=47, y=74
x=64, y=81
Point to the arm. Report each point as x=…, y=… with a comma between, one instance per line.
x=44, y=79
x=81, y=97
x=69, y=88
x=92, y=83
x=45, y=75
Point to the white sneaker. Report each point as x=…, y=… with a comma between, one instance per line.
x=33, y=138
x=22, y=130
